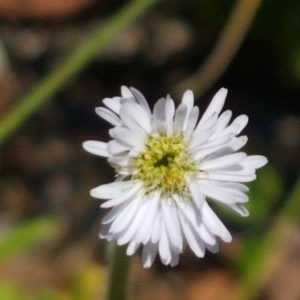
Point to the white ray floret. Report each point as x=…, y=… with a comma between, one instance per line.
x=169, y=165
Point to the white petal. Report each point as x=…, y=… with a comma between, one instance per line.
x=223, y=120
x=144, y=233
x=164, y=246
x=240, y=209
x=163, y=112
x=180, y=118
x=213, y=248
x=196, y=193
x=239, y=142
x=183, y=112
x=215, y=105
x=128, y=137
x=115, y=148
x=195, y=244
x=210, y=149
x=222, y=194
x=126, y=93
x=209, y=123
x=132, y=247
x=230, y=130
x=194, y=219
x=192, y=120
x=222, y=162
x=214, y=224
x=134, y=117
x=96, y=147
x=171, y=220
x=116, y=201
x=255, y=161
x=207, y=237
x=170, y=110
x=112, y=190
x=124, y=197
x=135, y=223
x=149, y=253
x=113, y=104
x=141, y=100
x=112, y=215
x=226, y=176
x=174, y=260
x=104, y=234
x=108, y=116
x=188, y=99
x=123, y=161
x=233, y=186
x=156, y=228
x=126, y=217
x=242, y=121
x=200, y=138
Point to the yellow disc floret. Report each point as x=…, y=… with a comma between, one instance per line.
x=165, y=164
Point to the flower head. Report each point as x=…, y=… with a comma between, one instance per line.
x=169, y=164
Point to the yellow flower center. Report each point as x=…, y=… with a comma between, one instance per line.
x=165, y=164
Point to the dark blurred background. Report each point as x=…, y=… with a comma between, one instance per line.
x=45, y=176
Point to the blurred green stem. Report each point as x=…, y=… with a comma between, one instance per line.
x=119, y=274
x=257, y=260
x=72, y=64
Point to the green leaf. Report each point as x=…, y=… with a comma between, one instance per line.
x=26, y=235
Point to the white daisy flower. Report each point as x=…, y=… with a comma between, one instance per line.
x=169, y=165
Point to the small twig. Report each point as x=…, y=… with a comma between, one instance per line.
x=224, y=50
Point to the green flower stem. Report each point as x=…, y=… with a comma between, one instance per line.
x=72, y=65
x=257, y=259
x=119, y=274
